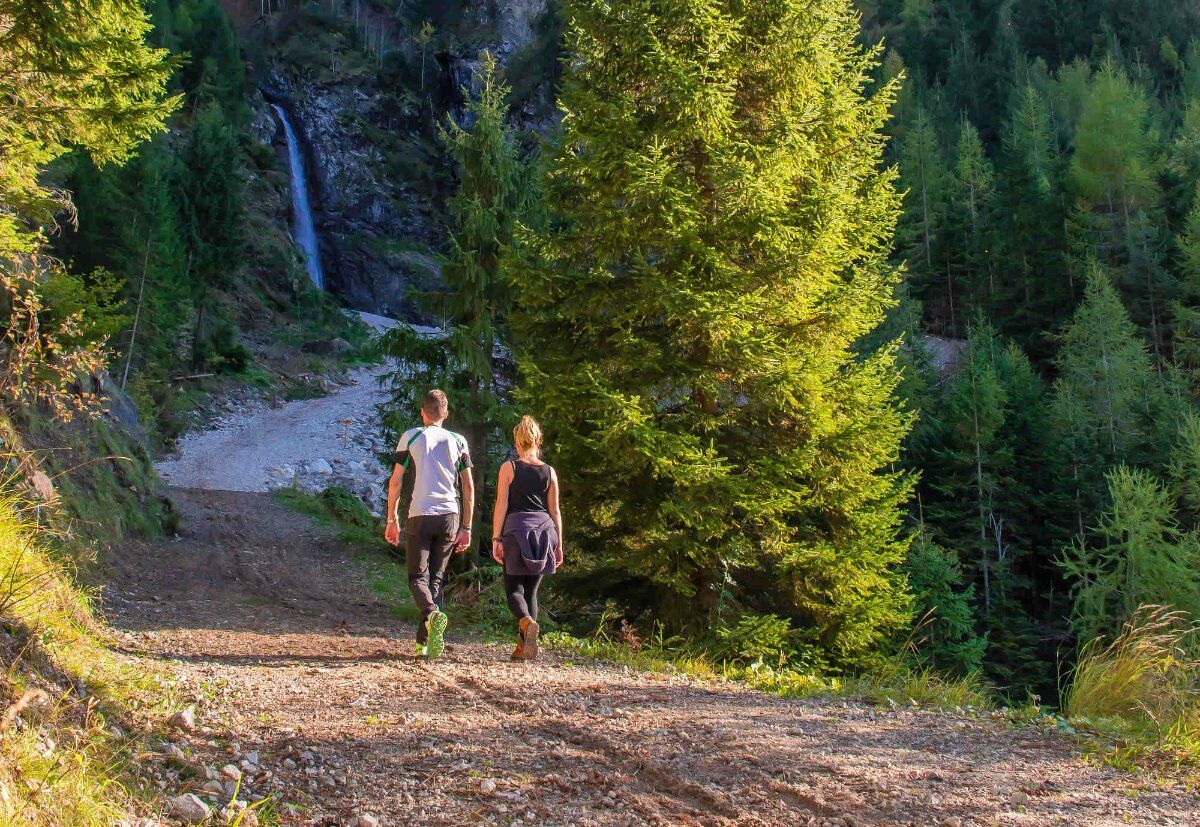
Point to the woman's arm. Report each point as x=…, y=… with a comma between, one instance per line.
x=555, y=511
x=501, y=510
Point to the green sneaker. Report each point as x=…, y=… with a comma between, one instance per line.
x=421, y=650
x=436, y=626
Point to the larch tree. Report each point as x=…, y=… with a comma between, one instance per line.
x=686, y=329
x=1114, y=180
x=1138, y=556
x=1104, y=393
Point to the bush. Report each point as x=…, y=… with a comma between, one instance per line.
x=754, y=639
x=345, y=507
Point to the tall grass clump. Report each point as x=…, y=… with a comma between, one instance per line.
x=1143, y=688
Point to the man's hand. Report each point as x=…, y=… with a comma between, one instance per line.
x=498, y=551
x=392, y=533
x=463, y=541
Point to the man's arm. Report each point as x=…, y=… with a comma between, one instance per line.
x=395, y=485
x=463, y=540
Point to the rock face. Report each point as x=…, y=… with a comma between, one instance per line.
x=359, y=211
x=378, y=220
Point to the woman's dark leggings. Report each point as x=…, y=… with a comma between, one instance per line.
x=522, y=590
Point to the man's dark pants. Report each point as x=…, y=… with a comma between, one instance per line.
x=429, y=543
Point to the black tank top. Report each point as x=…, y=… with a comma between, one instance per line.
x=530, y=487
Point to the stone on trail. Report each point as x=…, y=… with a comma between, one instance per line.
x=188, y=809
x=320, y=466
x=364, y=820
x=184, y=719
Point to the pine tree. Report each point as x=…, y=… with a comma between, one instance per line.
x=1138, y=556
x=1034, y=286
x=924, y=176
x=973, y=411
x=212, y=206
x=214, y=69
x=1186, y=311
x=969, y=217
x=946, y=637
x=493, y=194
x=686, y=329
x=73, y=73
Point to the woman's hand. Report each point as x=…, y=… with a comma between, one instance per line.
x=558, y=555
x=498, y=551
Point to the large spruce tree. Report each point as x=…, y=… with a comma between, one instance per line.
x=687, y=332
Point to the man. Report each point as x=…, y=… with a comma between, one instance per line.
x=433, y=531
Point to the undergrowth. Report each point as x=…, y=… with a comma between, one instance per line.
x=895, y=682
x=1139, y=694
x=74, y=706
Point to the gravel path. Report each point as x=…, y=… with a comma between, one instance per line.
x=308, y=674
x=260, y=447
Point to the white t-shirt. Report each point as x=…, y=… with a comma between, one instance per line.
x=436, y=457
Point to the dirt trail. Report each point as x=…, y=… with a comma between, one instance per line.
x=314, y=675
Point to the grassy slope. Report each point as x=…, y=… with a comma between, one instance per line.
x=68, y=757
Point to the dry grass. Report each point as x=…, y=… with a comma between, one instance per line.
x=1143, y=690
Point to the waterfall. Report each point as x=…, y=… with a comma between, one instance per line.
x=305, y=231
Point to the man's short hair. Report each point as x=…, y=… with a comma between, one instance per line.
x=435, y=405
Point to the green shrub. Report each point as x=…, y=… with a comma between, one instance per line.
x=345, y=507
x=753, y=639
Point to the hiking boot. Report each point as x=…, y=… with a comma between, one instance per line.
x=529, y=638
x=420, y=650
x=519, y=652
x=436, y=627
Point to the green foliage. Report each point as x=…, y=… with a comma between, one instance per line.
x=346, y=508
x=946, y=639
x=686, y=329
x=754, y=638
x=72, y=74
x=1104, y=395
x=1136, y=555
x=95, y=301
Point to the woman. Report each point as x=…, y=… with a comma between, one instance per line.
x=526, y=531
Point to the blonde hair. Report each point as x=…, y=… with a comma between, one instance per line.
x=527, y=436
